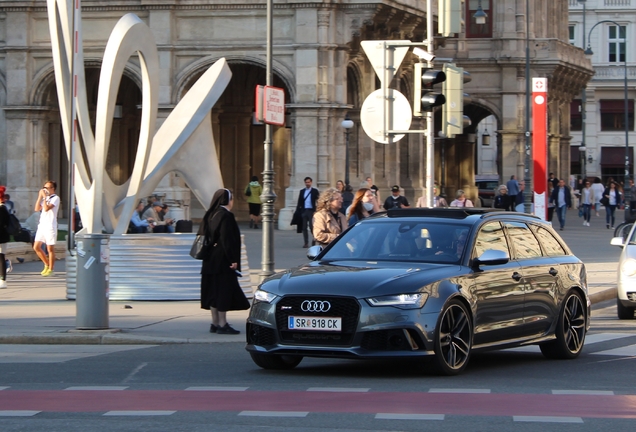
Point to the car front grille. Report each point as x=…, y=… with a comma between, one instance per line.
x=346, y=308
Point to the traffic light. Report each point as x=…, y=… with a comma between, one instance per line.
x=453, y=119
x=450, y=17
x=424, y=98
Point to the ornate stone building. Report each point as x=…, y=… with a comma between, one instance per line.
x=613, y=50
x=325, y=74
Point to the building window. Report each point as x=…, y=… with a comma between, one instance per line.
x=616, y=40
x=571, y=34
x=613, y=115
x=576, y=115
x=474, y=30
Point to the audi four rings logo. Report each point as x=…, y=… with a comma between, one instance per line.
x=315, y=306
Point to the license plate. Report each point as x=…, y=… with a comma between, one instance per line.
x=314, y=323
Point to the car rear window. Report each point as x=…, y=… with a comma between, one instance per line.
x=400, y=240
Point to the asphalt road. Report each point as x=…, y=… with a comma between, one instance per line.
x=217, y=387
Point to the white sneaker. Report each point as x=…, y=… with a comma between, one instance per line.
x=3, y=284
x=9, y=265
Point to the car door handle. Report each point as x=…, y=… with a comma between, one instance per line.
x=553, y=271
x=517, y=276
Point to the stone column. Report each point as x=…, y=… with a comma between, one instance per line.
x=305, y=120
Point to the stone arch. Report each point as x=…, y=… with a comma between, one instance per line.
x=238, y=137
x=45, y=77
x=186, y=78
x=124, y=136
x=354, y=85
x=479, y=106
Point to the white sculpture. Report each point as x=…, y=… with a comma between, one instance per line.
x=184, y=143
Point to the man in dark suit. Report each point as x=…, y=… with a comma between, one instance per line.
x=306, y=207
x=562, y=199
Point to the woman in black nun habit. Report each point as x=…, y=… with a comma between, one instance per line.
x=220, y=290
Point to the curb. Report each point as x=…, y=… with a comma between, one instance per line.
x=119, y=337
x=102, y=339
x=601, y=296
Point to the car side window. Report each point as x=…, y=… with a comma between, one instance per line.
x=550, y=245
x=525, y=244
x=490, y=236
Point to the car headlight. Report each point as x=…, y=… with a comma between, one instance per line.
x=264, y=296
x=628, y=267
x=402, y=301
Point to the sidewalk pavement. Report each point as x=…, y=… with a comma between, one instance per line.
x=34, y=310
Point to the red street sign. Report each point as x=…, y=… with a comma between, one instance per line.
x=540, y=145
x=274, y=105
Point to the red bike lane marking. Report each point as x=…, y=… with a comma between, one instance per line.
x=590, y=406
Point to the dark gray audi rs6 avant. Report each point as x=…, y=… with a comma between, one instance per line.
x=425, y=282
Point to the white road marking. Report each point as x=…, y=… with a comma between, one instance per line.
x=583, y=392
x=604, y=337
x=274, y=413
x=547, y=419
x=134, y=372
x=589, y=340
x=139, y=413
x=18, y=413
x=38, y=353
x=627, y=351
x=458, y=390
x=395, y=416
x=338, y=389
x=216, y=388
x=97, y=388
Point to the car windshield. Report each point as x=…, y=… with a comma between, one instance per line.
x=402, y=241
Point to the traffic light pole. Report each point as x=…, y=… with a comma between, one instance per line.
x=430, y=138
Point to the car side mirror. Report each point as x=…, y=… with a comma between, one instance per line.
x=313, y=252
x=492, y=257
x=618, y=241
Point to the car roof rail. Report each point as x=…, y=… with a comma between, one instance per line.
x=450, y=212
x=498, y=212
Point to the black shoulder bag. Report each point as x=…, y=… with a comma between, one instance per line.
x=202, y=243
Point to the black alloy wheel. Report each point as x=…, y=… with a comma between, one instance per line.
x=453, y=338
x=276, y=362
x=570, y=330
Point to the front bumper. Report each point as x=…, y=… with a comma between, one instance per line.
x=626, y=290
x=368, y=332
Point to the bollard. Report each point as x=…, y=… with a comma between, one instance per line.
x=91, y=298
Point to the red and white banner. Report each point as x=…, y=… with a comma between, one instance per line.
x=540, y=145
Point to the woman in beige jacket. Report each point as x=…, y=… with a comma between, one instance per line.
x=328, y=222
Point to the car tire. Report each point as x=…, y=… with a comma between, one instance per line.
x=570, y=330
x=276, y=362
x=624, y=312
x=453, y=338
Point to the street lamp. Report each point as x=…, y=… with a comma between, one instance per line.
x=485, y=138
x=347, y=124
x=480, y=16
x=582, y=147
x=527, y=194
x=589, y=52
x=268, y=197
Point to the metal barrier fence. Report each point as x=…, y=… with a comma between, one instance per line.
x=154, y=267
